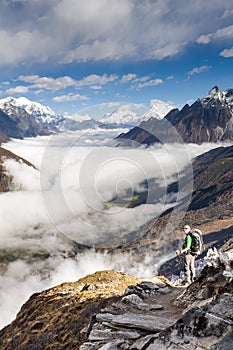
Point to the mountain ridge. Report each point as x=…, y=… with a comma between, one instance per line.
x=123, y=116
x=209, y=119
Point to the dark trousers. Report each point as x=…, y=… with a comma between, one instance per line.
x=189, y=267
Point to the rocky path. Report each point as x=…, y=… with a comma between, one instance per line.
x=135, y=321
x=156, y=315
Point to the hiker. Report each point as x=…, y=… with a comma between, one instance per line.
x=189, y=259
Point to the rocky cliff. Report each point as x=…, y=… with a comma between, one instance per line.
x=209, y=119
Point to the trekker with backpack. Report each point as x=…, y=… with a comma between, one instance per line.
x=189, y=256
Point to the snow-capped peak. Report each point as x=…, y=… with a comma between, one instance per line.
x=38, y=111
x=122, y=115
x=78, y=117
x=217, y=96
x=134, y=114
x=158, y=109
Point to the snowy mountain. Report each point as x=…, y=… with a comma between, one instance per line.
x=77, y=117
x=17, y=123
x=124, y=116
x=218, y=97
x=128, y=114
x=158, y=109
x=42, y=114
x=209, y=119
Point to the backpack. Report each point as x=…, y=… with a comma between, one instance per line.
x=197, y=246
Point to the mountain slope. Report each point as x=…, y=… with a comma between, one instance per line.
x=5, y=179
x=42, y=114
x=17, y=123
x=210, y=208
x=54, y=318
x=207, y=120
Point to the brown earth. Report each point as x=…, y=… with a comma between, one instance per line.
x=54, y=318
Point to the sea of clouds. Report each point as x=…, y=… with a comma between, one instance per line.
x=63, y=200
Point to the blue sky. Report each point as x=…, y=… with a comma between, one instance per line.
x=73, y=54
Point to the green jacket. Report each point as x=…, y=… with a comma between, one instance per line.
x=188, y=238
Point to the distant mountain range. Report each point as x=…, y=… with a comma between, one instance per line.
x=20, y=117
x=209, y=119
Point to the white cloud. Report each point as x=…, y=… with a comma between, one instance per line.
x=141, y=79
x=227, y=13
x=76, y=180
x=47, y=82
x=153, y=82
x=204, y=39
x=18, y=47
x=55, y=84
x=227, y=53
x=166, y=51
x=95, y=79
x=93, y=18
x=99, y=50
x=198, y=70
x=95, y=87
x=70, y=98
x=17, y=90
x=128, y=77
x=106, y=29
x=226, y=32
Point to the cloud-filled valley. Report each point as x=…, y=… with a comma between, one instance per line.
x=63, y=201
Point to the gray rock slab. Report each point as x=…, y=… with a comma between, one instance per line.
x=164, y=290
x=148, y=285
x=141, y=321
x=98, y=335
x=104, y=317
x=149, y=307
x=109, y=346
x=143, y=342
x=90, y=346
x=133, y=299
